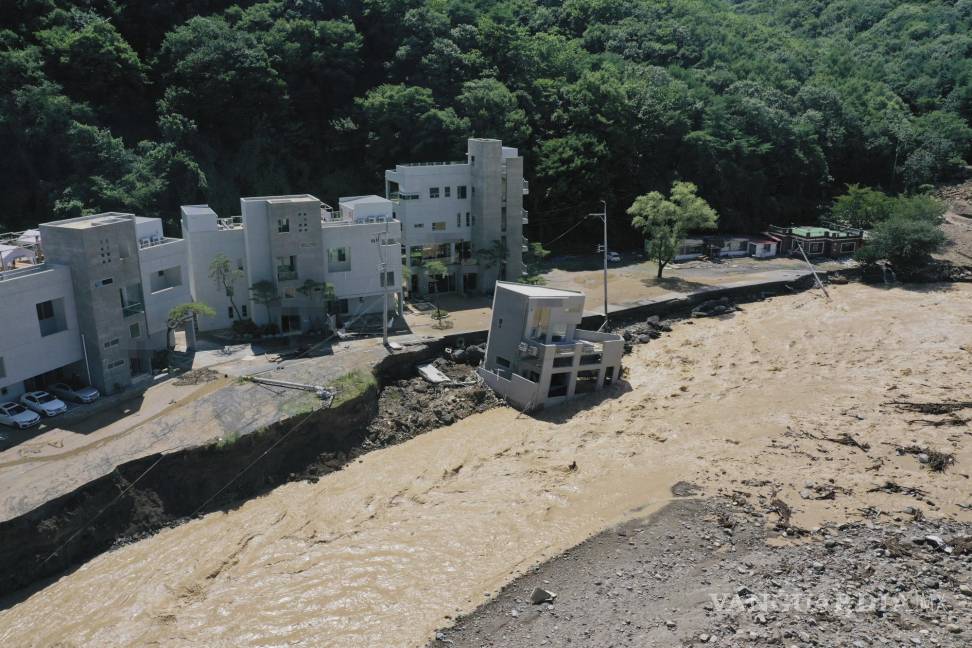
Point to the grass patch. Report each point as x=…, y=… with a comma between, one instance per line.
x=304, y=404
x=351, y=385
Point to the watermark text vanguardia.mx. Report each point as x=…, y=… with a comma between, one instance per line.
x=799, y=602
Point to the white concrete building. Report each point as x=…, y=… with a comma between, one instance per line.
x=96, y=309
x=536, y=356
x=467, y=214
x=294, y=245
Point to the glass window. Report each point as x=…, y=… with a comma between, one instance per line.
x=339, y=259
x=467, y=219
x=433, y=192
x=448, y=191
x=461, y=192
x=229, y=312
x=243, y=310
x=458, y=219
x=439, y=226
x=283, y=225
x=135, y=330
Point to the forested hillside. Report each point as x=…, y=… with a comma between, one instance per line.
x=769, y=106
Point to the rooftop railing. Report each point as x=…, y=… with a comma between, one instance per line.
x=155, y=241
x=22, y=271
x=421, y=164
x=232, y=222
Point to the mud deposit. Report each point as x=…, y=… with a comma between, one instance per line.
x=701, y=573
x=404, y=539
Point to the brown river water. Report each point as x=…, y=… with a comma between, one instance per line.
x=399, y=543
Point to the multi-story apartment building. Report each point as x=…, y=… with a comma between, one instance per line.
x=293, y=246
x=468, y=214
x=96, y=309
x=535, y=354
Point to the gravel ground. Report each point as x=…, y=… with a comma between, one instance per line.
x=704, y=571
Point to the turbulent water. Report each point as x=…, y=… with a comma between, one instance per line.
x=395, y=545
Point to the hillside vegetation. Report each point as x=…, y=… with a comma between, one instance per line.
x=769, y=106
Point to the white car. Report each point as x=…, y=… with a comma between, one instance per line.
x=43, y=403
x=83, y=394
x=18, y=416
x=614, y=257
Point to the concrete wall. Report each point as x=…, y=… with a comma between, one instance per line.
x=166, y=290
x=361, y=285
x=102, y=253
x=24, y=352
x=204, y=241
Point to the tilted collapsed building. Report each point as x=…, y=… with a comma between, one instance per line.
x=535, y=354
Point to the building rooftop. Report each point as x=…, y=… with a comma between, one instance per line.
x=278, y=200
x=95, y=220
x=537, y=291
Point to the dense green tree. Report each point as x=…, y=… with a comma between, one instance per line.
x=665, y=222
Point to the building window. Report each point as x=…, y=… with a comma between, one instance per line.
x=458, y=219
x=419, y=225
x=503, y=219
x=286, y=268
x=472, y=160
x=448, y=191
x=461, y=192
x=107, y=281
x=467, y=219
x=339, y=259
x=3, y=370
x=438, y=226
x=135, y=330
x=114, y=364
x=243, y=310
x=846, y=247
x=50, y=317
x=433, y=192
x=111, y=343
x=388, y=279
x=283, y=225
x=229, y=312
x=239, y=264
x=474, y=220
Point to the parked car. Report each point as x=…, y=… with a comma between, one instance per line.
x=613, y=257
x=18, y=416
x=83, y=394
x=43, y=403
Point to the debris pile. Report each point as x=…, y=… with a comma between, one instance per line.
x=409, y=407
x=643, y=332
x=714, y=307
x=196, y=377
x=471, y=355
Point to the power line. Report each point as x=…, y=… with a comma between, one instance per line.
x=567, y=231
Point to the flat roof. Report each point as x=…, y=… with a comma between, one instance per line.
x=107, y=218
x=195, y=210
x=537, y=291
x=287, y=198
x=370, y=198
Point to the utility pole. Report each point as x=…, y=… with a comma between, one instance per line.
x=603, y=216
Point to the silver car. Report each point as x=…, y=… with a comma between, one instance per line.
x=43, y=403
x=83, y=394
x=18, y=416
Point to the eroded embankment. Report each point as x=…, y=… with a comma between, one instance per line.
x=142, y=496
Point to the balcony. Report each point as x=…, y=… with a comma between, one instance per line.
x=132, y=309
x=526, y=217
x=397, y=196
x=526, y=188
x=525, y=246
x=286, y=274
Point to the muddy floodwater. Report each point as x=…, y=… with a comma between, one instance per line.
x=395, y=545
